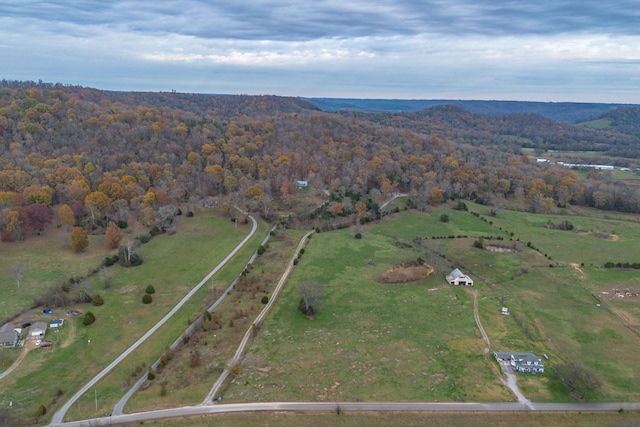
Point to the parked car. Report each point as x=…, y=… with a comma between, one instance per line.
x=38, y=342
x=26, y=325
x=47, y=311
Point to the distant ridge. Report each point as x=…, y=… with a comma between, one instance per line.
x=571, y=112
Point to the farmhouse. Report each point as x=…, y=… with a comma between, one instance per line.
x=38, y=330
x=458, y=278
x=521, y=362
x=9, y=335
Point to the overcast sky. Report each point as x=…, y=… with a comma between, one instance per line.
x=539, y=50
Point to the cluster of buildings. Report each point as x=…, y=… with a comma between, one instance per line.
x=13, y=336
x=521, y=362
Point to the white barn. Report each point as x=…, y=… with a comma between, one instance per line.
x=458, y=278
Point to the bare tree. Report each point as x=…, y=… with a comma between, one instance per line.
x=578, y=379
x=311, y=294
x=19, y=271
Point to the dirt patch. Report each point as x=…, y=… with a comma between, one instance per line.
x=631, y=294
x=626, y=318
x=406, y=273
x=576, y=266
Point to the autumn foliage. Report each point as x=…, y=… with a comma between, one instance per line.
x=113, y=235
x=79, y=239
x=100, y=156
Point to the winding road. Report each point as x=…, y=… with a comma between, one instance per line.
x=59, y=416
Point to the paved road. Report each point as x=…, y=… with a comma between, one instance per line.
x=59, y=416
x=187, y=411
x=240, y=351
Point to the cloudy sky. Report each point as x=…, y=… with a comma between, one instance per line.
x=541, y=50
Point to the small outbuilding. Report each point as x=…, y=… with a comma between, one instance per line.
x=56, y=323
x=38, y=330
x=458, y=278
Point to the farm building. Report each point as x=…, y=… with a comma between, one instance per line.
x=38, y=330
x=302, y=184
x=522, y=362
x=9, y=335
x=458, y=278
x=56, y=323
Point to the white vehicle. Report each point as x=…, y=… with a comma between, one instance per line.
x=38, y=342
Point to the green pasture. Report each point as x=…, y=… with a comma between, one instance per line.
x=418, y=341
x=49, y=261
x=596, y=238
x=173, y=264
x=370, y=341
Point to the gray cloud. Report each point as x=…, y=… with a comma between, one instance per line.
x=549, y=49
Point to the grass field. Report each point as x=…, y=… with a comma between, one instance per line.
x=173, y=265
x=418, y=341
x=414, y=341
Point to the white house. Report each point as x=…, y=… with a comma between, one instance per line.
x=302, y=184
x=522, y=362
x=458, y=278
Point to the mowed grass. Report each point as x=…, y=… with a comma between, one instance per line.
x=173, y=265
x=370, y=341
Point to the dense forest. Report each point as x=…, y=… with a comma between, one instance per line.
x=82, y=155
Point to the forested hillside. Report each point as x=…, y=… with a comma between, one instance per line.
x=127, y=155
x=624, y=120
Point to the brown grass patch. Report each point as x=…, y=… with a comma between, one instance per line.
x=406, y=273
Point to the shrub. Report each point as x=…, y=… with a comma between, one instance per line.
x=151, y=376
x=89, y=318
x=97, y=300
x=444, y=218
x=144, y=238
x=265, y=299
x=110, y=260
x=261, y=250
x=42, y=410
x=122, y=224
x=150, y=290
x=358, y=235
x=296, y=261
x=147, y=299
x=135, y=260
x=189, y=214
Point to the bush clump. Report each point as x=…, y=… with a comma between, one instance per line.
x=265, y=299
x=147, y=299
x=150, y=290
x=97, y=300
x=89, y=318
